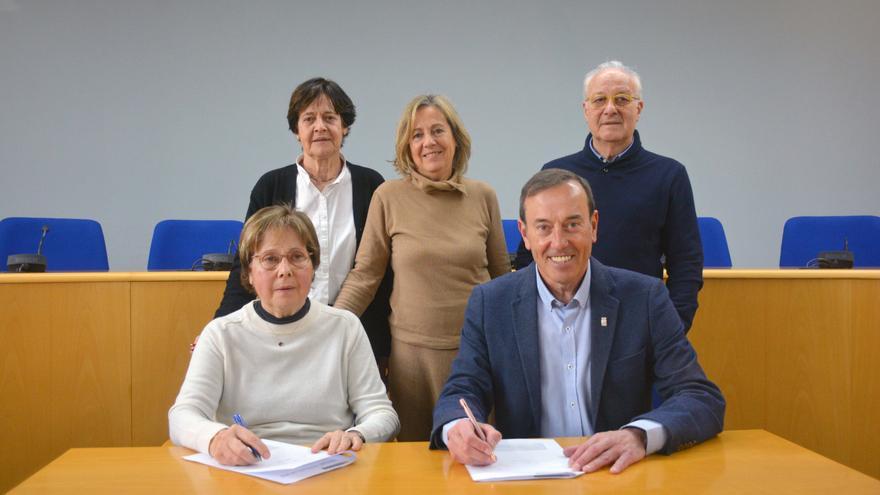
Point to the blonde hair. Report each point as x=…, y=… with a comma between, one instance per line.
x=282, y=216
x=403, y=161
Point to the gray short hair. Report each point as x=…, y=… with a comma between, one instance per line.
x=552, y=177
x=616, y=65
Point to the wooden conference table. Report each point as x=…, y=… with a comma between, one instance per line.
x=96, y=359
x=744, y=461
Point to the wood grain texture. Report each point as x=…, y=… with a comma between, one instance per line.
x=165, y=318
x=750, y=461
x=809, y=365
x=798, y=356
x=728, y=334
x=76, y=277
x=64, y=372
x=97, y=359
x=792, y=274
x=865, y=410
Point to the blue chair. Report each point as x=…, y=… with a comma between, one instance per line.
x=804, y=237
x=512, y=237
x=716, y=253
x=71, y=245
x=180, y=244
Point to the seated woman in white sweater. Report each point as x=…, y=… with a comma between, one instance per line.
x=297, y=371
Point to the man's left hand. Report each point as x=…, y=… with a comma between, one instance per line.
x=621, y=447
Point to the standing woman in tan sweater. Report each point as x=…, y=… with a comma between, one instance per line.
x=442, y=235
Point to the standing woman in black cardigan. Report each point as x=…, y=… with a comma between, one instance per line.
x=333, y=192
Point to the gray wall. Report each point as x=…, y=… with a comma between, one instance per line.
x=130, y=112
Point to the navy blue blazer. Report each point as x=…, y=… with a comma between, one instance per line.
x=642, y=344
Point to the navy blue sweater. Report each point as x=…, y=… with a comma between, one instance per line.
x=646, y=213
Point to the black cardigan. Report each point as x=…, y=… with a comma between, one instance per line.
x=279, y=186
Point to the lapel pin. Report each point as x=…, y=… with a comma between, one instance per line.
x=603, y=321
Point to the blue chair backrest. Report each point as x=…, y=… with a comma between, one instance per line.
x=71, y=245
x=180, y=244
x=511, y=235
x=804, y=237
x=716, y=253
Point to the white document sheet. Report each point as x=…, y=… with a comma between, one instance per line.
x=288, y=464
x=525, y=459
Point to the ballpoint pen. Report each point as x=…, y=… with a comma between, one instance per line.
x=473, y=420
x=240, y=422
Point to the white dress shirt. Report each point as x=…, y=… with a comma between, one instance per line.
x=564, y=352
x=331, y=211
x=564, y=360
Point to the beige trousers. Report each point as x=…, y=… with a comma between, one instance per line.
x=416, y=376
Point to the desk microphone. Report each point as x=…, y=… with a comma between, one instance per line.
x=836, y=259
x=219, y=262
x=33, y=263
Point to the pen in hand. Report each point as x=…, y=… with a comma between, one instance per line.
x=240, y=422
x=473, y=420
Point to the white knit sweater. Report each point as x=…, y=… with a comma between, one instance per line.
x=291, y=382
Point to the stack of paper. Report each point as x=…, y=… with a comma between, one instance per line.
x=288, y=463
x=525, y=459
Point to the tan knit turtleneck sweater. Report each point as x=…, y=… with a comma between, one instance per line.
x=442, y=239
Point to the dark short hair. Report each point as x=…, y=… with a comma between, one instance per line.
x=311, y=90
x=281, y=216
x=552, y=177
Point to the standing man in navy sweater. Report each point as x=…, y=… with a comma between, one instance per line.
x=645, y=200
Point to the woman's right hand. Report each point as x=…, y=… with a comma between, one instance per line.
x=230, y=446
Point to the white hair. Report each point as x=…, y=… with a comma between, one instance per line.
x=616, y=65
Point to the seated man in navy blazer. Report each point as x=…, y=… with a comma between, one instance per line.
x=570, y=347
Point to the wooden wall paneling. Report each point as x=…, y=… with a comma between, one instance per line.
x=809, y=364
x=728, y=334
x=93, y=360
x=91, y=365
x=166, y=316
x=64, y=372
x=866, y=377
x=25, y=381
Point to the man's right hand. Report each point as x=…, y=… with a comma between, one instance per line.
x=466, y=447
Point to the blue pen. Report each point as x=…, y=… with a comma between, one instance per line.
x=240, y=422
